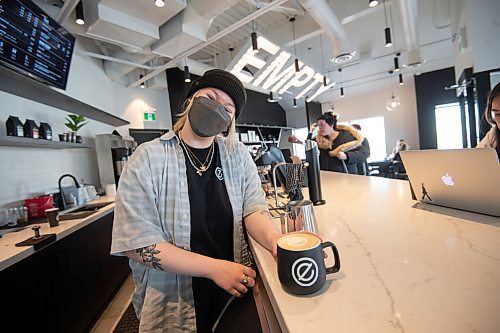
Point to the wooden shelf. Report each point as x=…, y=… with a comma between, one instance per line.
x=25, y=87
x=15, y=141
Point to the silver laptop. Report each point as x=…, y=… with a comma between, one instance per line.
x=467, y=179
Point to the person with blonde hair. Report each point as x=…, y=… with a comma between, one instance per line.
x=184, y=205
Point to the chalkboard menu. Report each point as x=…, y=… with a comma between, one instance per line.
x=34, y=44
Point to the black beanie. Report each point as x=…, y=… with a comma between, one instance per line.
x=225, y=81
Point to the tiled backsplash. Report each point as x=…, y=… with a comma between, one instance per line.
x=31, y=171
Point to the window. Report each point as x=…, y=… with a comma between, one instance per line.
x=373, y=129
x=448, y=126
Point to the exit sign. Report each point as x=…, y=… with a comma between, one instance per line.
x=149, y=116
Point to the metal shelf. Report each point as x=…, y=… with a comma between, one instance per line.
x=22, y=86
x=15, y=141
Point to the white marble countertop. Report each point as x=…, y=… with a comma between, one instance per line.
x=11, y=254
x=405, y=267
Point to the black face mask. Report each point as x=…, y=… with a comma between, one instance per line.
x=208, y=117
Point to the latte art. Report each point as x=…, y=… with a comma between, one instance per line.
x=298, y=242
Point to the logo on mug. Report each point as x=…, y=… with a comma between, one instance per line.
x=305, y=272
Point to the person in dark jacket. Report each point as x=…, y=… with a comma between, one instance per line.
x=363, y=167
x=341, y=147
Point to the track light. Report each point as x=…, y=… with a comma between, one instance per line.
x=272, y=98
x=187, y=75
x=80, y=19
x=159, y=3
x=143, y=85
x=324, y=80
x=400, y=79
x=294, y=103
x=372, y=3
x=396, y=64
x=341, y=91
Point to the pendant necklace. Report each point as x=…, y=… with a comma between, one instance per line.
x=203, y=166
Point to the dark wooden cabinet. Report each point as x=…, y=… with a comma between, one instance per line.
x=65, y=286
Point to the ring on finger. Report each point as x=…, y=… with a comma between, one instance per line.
x=245, y=280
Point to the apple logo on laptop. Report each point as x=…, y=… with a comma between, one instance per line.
x=448, y=180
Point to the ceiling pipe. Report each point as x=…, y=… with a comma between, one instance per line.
x=409, y=16
x=66, y=10
x=321, y=12
x=209, y=41
x=197, y=16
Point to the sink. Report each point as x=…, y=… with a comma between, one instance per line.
x=82, y=211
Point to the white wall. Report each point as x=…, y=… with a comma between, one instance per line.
x=482, y=27
x=25, y=172
x=401, y=123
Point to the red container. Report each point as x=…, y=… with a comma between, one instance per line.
x=38, y=205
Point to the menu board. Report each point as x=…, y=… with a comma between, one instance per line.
x=33, y=43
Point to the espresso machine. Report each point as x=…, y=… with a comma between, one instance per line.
x=113, y=152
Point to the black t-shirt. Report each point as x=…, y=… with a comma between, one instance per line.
x=211, y=232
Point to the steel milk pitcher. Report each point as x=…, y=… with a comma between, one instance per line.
x=299, y=216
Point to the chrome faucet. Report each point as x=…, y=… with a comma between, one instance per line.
x=63, y=202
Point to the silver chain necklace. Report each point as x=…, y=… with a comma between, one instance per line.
x=202, y=168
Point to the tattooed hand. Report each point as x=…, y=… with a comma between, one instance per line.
x=148, y=256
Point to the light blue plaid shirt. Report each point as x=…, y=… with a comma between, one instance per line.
x=152, y=206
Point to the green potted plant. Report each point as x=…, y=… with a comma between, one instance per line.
x=74, y=123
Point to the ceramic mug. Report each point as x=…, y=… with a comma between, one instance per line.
x=301, y=265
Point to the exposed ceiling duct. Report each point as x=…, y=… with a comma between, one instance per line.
x=189, y=27
x=321, y=12
x=409, y=17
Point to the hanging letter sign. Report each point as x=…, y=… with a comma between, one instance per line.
x=275, y=70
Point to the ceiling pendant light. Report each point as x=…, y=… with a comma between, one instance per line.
x=393, y=103
x=396, y=64
x=322, y=60
x=253, y=36
x=373, y=3
x=400, y=79
x=255, y=46
x=294, y=103
x=297, y=67
x=80, y=19
x=187, y=75
x=341, y=87
x=159, y=3
x=387, y=30
x=272, y=98
x=143, y=84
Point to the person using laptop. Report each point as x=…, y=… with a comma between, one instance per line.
x=492, y=116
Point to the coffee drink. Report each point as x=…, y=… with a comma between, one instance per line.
x=298, y=242
x=301, y=266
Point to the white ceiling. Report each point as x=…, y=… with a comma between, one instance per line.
x=364, y=27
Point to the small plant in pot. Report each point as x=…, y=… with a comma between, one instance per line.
x=74, y=123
